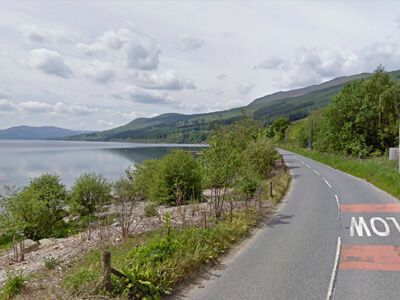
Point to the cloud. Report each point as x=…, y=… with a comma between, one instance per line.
x=99, y=71
x=35, y=107
x=41, y=35
x=4, y=94
x=105, y=123
x=245, y=88
x=49, y=62
x=270, y=63
x=187, y=43
x=139, y=95
x=137, y=50
x=40, y=107
x=6, y=106
x=222, y=76
x=163, y=81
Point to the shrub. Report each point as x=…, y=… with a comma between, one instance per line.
x=259, y=156
x=50, y=262
x=36, y=210
x=89, y=192
x=177, y=179
x=151, y=210
x=14, y=285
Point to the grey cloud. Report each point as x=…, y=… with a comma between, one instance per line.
x=188, y=43
x=50, y=62
x=139, y=95
x=4, y=94
x=270, y=63
x=100, y=72
x=6, y=105
x=164, y=81
x=222, y=76
x=40, y=35
x=245, y=88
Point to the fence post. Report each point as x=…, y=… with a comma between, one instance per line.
x=270, y=189
x=230, y=210
x=204, y=219
x=106, y=266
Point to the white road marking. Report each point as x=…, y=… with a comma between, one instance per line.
x=326, y=181
x=329, y=296
x=308, y=166
x=316, y=172
x=337, y=201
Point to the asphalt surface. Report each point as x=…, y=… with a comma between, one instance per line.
x=299, y=255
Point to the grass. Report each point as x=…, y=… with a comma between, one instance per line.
x=14, y=285
x=379, y=171
x=156, y=262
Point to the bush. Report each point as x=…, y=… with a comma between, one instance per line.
x=177, y=179
x=14, y=285
x=259, y=156
x=151, y=210
x=50, y=262
x=36, y=210
x=89, y=192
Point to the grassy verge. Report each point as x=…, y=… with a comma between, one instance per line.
x=379, y=171
x=156, y=262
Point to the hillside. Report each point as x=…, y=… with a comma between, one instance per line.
x=179, y=128
x=36, y=133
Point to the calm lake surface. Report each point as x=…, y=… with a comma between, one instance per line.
x=22, y=160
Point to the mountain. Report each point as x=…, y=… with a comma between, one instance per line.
x=179, y=128
x=37, y=133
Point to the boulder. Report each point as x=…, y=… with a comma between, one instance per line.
x=30, y=245
x=47, y=242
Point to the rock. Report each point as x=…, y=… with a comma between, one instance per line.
x=116, y=224
x=30, y=245
x=47, y=242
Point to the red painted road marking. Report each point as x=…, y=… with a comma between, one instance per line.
x=370, y=257
x=373, y=208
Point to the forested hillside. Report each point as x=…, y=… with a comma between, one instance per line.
x=178, y=128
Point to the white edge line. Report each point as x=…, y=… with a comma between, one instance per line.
x=337, y=201
x=326, y=181
x=334, y=271
x=316, y=172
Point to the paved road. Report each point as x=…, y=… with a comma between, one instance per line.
x=334, y=238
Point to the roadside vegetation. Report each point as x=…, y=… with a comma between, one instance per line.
x=162, y=221
x=355, y=131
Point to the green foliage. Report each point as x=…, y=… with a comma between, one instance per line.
x=50, y=262
x=151, y=210
x=125, y=188
x=278, y=128
x=259, y=156
x=379, y=171
x=364, y=117
x=89, y=192
x=14, y=285
x=145, y=175
x=177, y=179
x=36, y=210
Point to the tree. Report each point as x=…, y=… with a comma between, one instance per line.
x=89, y=192
x=220, y=164
x=259, y=156
x=35, y=211
x=177, y=179
x=126, y=198
x=278, y=128
x=363, y=117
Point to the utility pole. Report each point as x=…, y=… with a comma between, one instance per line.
x=311, y=138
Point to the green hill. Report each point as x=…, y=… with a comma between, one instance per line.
x=179, y=128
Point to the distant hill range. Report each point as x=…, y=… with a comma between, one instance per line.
x=37, y=133
x=179, y=128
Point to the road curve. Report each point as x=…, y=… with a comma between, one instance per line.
x=335, y=237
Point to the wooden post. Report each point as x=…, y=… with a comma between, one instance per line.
x=106, y=266
x=204, y=219
x=259, y=199
x=270, y=189
x=230, y=210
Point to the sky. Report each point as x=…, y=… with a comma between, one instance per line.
x=95, y=65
